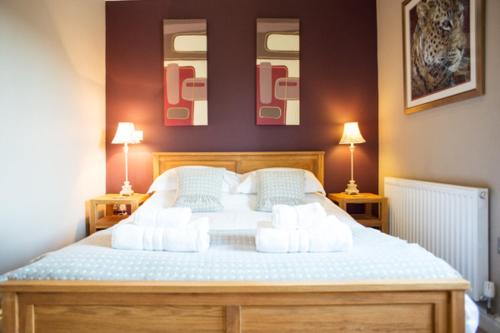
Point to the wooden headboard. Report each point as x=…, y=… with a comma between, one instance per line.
x=242, y=162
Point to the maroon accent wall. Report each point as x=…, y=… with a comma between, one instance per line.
x=338, y=83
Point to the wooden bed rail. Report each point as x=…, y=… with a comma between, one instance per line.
x=233, y=307
x=229, y=286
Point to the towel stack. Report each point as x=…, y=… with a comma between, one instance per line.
x=303, y=228
x=167, y=229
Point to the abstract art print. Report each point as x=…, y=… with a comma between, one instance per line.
x=278, y=72
x=185, y=72
x=443, y=52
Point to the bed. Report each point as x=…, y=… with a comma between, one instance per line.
x=89, y=287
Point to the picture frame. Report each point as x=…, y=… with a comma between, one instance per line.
x=278, y=72
x=185, y=79
x=443, y=52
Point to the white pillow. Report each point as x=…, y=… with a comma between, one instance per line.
x=168, y=181
x=248, y=182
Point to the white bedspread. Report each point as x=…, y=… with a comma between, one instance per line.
x=232, y=255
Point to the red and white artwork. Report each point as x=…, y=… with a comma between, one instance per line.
x=278, y=72
x=185, y=72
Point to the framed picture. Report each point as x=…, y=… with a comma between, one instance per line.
x=278, y=72
x=185, y=72
x=443, y=52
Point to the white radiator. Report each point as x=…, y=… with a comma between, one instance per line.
x=449, y=221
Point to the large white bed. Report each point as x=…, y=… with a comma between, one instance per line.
x=379, y=277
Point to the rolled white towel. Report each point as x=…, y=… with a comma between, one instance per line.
x=127, y=236
x=338, y=236
x=272, y=240
x=297, y=217
x=163, y=217
x=330, y=235
x=193, y=237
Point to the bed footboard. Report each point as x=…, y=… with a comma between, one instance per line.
x=147, y=307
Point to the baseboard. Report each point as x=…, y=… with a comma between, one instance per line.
x=488, y=323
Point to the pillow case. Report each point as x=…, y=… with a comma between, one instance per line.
x=248, y=182
x=168, y=180
x=200, y=189
x=274, y=187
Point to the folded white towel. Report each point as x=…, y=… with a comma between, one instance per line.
x=329, y=235
x=163, y=217
x=297, y=217
x=193, y=237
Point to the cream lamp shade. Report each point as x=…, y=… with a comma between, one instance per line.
x=126, y=133
x=352, y=134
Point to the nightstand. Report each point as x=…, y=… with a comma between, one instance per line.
x=108, y=201
x=367, y=218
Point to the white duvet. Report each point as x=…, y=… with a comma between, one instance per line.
x=232, y=255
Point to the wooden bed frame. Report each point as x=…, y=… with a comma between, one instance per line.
x=243, y=161
x=231, y=307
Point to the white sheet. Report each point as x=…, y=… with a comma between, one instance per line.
x=239, y=213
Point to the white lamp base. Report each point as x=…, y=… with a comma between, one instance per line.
x=352, y=187
x=126, y=189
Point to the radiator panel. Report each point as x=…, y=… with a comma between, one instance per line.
x=449, y=221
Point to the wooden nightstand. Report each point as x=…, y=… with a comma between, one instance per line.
x=97, y=222
x=368, y=219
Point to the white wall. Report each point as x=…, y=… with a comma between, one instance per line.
x=457, y=143
x=52, y=121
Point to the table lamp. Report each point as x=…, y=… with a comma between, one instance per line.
x=127, y=134
x=351, y=136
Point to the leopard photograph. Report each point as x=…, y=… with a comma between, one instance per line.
x=440, y=46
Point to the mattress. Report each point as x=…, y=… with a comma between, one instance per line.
x=232, y=255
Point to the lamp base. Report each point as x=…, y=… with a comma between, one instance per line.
x=352, y=187
x=126, y=189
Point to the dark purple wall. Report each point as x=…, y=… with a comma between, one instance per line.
x=338, y=73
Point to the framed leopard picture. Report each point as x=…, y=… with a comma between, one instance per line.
x=443, y=52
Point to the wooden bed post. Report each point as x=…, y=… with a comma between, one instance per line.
x=457, y=311
x=10, y=308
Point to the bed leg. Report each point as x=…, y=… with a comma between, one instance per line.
x=457, y=312
x=10, y=308
x=233, y=324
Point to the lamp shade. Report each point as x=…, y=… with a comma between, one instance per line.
x=351, y=134
x=126, y=133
